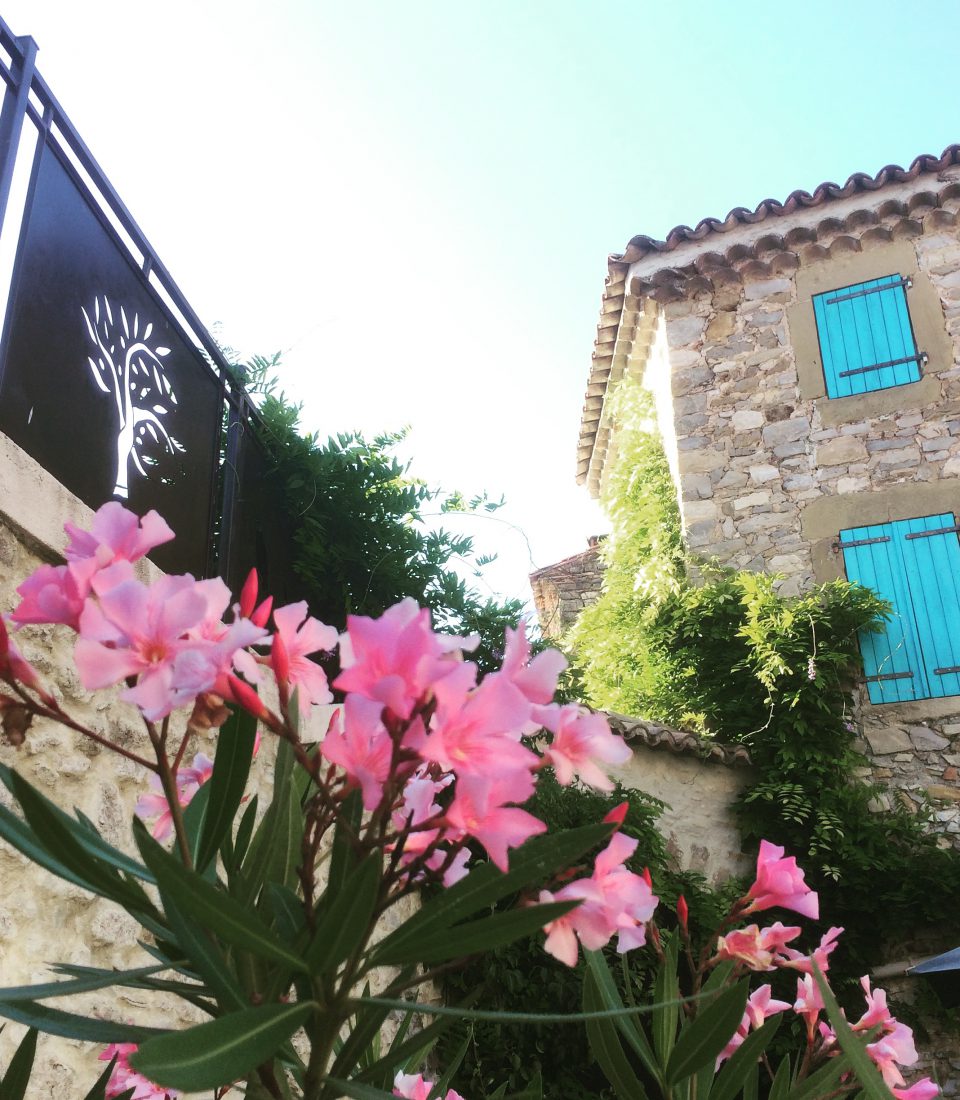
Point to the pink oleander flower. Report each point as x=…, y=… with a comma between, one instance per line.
x=116, y=535
x=476, y=730
x=923, y=1089
x=13, y=667
x=300, y=636
x=779, y=884
x=892, y=1050
x=53, y=594
x=397, y=658
x=479, y=809
x=760, y=1007
x=414, y=1087
x=582, y=742
x=154, y=806
x=809, y=1002
x=795, y=960
x=124, y=1077
x=158, y=633
x=757, y=949
x=536, y=679
x=613, y=900
x=358, y=742
x=877, y=1014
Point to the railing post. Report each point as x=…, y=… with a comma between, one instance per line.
x=12, y=115
x=230, y=481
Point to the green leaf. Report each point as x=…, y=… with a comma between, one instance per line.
x=193, y=818
x=275, y=848
x=535, y=861
x=88, y=837
x=346, y=922
x=99, y=980
x=342, y=856
x=222, y=1050
x=442, y=1084
x=498, y=1016
x=606, y=1046
x=629, y=1028
x=666, y=994
x=69, y=1025
x=287, y=911
x=17, y=1077
x=210, y=907
x=241, y=843
x=852, y=1045
x=708, y=1033
x=58, y=834
x=478, y=935
x=231, y=767
x=824, y=1081
x=732, y=1076
x=781, y=1080
x=99, y=1090
x=206, y=956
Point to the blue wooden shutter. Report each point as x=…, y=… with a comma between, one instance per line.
x=860, y=326
x=932, y=569
x=892, y=662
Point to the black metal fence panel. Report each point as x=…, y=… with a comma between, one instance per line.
x=98, y=384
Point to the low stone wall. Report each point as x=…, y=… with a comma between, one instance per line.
x=699, y=781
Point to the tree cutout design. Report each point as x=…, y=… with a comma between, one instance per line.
x=129, y=368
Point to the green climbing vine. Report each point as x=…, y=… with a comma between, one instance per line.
x=719, y=651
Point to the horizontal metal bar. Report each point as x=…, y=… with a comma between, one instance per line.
x=860, y=542
x=946, y=671
x=930, y=534
x=890, y=676
x=873, y=290
x=920, y=357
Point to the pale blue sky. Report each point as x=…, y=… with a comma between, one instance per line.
x=417, y=199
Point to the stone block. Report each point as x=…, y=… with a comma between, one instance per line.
x=702, y=460
x=753, y=500
x=786, y=431
x=887, y=740
x=764, y=288
x=721, y=326
x=926, y=740
x=798, y=481
x=763, y=473
x=841, y=451
x=943, y=793
x=852, y=485
x=684, y=330
x=683, y=381
x=744, y=419
x=951, y=468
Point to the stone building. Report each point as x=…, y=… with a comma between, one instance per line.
x=805, y=363
x=562, y=590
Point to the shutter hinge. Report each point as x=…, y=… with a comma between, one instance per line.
x=908, y=283
x=890, y=676
x=921, y=357
x=930, y=534
x=838, y=545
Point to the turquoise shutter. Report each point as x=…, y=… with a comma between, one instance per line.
x=863, y=325
x=892, y=663
x=932, y=567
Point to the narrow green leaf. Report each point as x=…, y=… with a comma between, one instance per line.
x=101, y=980
x=205, y=955
x=666, y=992
x=275, y=848
x=366, y=1025
x=533, y=1091
x=852, y=1045
x=342, y=856
x=58, y=834
x=346, y=922
x=511, y=1017
x=18, y=834
x=17, y=1077
x=99, y=1090
x=535, y=861
x=69, y=1025
x=708, y=1033
x=220, y=1051
x=241, y=842
x=89, y=836
x=824, y=1081
x=629, y=1028
x=286, y=910
x=751, y=1086
x=357, y=1091
x=606, y=1046
x=478, y=935
x=781, y=1080
x=442, y=1083
x=231, y=767
x=211, y=907
x=193, y=818
x=732, y=1076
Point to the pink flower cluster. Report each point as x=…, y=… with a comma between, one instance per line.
x=613, y=900
x=154, y=806
x=415, y=710
x=414, y=1087
x=779, y=883
x=124, y=1077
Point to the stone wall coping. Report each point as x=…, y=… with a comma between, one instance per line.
x=681, y=742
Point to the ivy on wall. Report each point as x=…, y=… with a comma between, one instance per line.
x=719, y=651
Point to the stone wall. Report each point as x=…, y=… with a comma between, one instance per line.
x=699, y=781
x=562, y=590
